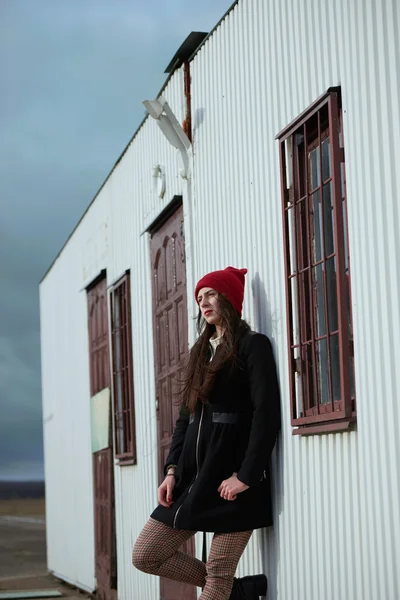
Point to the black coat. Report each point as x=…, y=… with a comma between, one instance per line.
x=234, y=432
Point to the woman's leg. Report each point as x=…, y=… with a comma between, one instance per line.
x=226, y=550
x=156, y=552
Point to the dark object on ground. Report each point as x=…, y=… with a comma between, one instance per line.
x=249, y=588
x=24, y=594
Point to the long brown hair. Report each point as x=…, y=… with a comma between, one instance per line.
x=199, y=374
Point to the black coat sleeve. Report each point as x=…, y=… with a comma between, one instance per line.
x=178, y=437
x=264, y=391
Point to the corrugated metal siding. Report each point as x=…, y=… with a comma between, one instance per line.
x=66, y=400
x=108, y=237
x=135, y=206
x=136, y=487
x=336, y=496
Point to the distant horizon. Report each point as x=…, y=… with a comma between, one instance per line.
x=15, y=490
x=20, y=480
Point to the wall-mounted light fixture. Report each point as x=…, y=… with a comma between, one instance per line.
x=159, y=110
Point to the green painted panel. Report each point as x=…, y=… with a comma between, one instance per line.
x=100, y=419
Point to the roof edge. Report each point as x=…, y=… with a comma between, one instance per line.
x=230, y=9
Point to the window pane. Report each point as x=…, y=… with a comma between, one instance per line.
x=128, y=430
x=332, y=295
x=347, y=295
x=120, y=415
x=117, y=336
x=306, y=306
x=352, y=388
x=328, y=219
x=119, y=404
x=302, y=239
x=310, y=399
x=297, y=385
x=314, y=175
x=116, y=309
x=126, y=368
x=342, y=180
x=346, y=250
x=300, y=166
x=335, y=366
x=320, y=314
x=295, y=314
x=326, y=159
x=292, y=240
x=317, y=241
x=288, y=161
x=323, y=377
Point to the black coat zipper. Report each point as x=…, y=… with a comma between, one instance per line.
x=197, y=465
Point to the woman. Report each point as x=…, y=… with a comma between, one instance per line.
x=216, y=473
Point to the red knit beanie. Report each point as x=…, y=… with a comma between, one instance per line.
x=229, y=281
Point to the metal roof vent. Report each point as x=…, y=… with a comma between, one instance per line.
x=186, y=50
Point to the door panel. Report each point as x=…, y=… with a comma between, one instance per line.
x=170, y=351
x=105, y=542
x=104, y=532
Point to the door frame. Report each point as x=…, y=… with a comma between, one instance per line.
x=104, y=592
x=166, y=215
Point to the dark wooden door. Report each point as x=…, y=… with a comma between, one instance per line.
x=170, y=350
x=105, y=539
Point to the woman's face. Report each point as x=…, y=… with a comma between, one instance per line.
x=209, y=305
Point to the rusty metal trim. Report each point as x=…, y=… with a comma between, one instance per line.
x=286, y=252
x=333, y=109
x=339, y=427
x=121, y=293
x=306, y=114
x=337, y=415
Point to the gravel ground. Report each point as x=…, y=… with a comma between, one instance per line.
x=23, y=550
x=22, y=545
x=20, y=507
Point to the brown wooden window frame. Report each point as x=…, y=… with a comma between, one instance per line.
x=122, y=373
x=317, y=269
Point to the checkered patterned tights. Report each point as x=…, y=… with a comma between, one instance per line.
x=156, y=552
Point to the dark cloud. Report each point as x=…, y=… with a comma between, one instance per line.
x=73, y=75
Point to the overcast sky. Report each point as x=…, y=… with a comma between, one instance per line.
x=73, y=75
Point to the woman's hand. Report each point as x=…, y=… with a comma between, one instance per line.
x=231, y=487
x=164, y=492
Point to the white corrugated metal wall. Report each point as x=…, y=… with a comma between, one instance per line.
x=262, y=66
x=135, y=206
x=66, y=399
x=109, y=236
x=337, y=496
